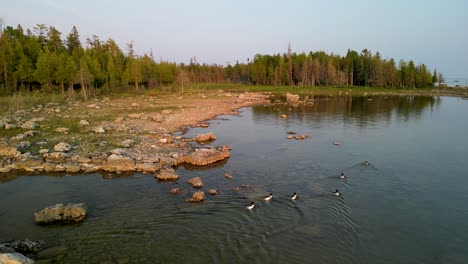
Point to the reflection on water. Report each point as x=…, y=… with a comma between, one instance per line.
x=407, y=206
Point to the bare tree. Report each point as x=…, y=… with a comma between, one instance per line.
x=2, y=22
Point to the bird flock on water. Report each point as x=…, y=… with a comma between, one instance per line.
x=294, y=196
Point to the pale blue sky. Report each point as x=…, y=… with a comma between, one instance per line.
x=434, y=32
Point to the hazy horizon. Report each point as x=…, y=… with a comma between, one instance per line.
x=222, y=31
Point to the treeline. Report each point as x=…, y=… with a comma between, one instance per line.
x=40, y=59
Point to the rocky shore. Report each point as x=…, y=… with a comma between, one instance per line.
x=115, y=135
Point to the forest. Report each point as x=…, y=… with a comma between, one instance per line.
x=40, y=60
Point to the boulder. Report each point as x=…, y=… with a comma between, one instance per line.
x=9, y=152
x=148, y=167
x=61, y=213
x=24, y=246
x=62, y=147
x=290, y=137
x=202, y=157
x=283, y=116
x=205, y=137
x=212, y=192
x=83, y=123
x=167, y=176
x=29, y=125
x=118, y=163
x=292, y=98
x=62, y=130
x=55, y=157
x=29, y=164
x=72, y=167
x=15, y=258
x=99, y=130
x=196, y=182
x=197, y=197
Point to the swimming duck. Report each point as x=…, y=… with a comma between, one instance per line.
x=251, y=206
x=268, y=198
x=337, y=193
x=294, y=196
x=342, y=176
x=366, y=163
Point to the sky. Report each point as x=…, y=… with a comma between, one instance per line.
x=433, y=32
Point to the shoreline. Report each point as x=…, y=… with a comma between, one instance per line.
x=141, y=138
x=119, y=135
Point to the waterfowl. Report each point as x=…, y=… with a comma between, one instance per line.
x=268, y=198
x=251, y=206
x=366, y=163
x=337, y=193
x=342, y=176
x=294, y=196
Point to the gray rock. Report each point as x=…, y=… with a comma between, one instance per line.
x=15, y=258
x=24, y=246
x=62, y=147
x=23, y=145
x=61, y=213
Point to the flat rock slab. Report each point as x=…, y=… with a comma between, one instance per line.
x=167, y=176
x=61, y=213
x=202, y=157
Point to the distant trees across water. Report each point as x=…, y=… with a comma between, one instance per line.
x=39, y=59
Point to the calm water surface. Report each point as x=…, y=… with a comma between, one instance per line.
x=409, y=206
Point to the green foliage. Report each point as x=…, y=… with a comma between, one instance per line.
x=42, y=60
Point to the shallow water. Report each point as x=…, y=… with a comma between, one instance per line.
x=408, y=206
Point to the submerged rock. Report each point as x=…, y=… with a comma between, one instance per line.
x=52, y=252
x=196, y=182
x=212, y=192
x=227, y=176
x=61, y=213
x=175, y=191
x=197, y=197
x=205, y=137
x=15, y=258
x=202, y=157
x=283, y=116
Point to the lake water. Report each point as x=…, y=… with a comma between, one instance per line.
x=410, y=205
